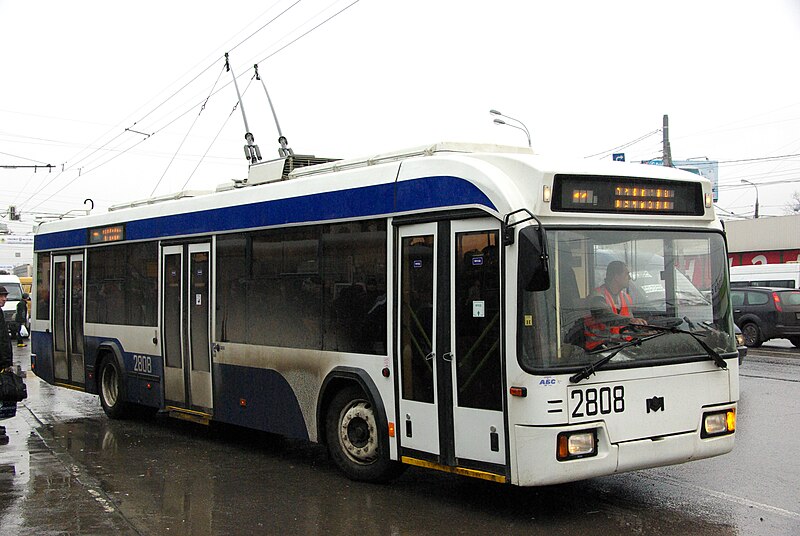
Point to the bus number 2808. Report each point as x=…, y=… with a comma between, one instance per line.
x=591, y=401
x=142, y=363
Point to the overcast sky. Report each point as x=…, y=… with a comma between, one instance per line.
x=584, y=76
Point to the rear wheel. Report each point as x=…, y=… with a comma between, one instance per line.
x=112, y=390
x=354, y=441
x=752, y=335
x=795, y=340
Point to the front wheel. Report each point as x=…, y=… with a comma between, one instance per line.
x=752, y=335
x=354, y=441
x=112, y=390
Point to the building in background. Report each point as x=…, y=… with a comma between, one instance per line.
x=763, y=240
x=708, y=169
x=15, y=250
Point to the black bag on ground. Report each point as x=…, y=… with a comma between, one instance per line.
x=8, y=410
x=12, y=388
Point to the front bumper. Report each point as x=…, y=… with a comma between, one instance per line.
x=536, y=463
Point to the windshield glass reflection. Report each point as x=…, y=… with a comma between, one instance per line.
x=611, y=288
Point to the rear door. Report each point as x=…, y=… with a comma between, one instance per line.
x=68, y=340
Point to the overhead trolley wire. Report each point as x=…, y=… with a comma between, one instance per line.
x=86, y=173
x=170, y=97
x=114, y=157
x=625, y=145
x=184, y=86
x=210, y=145
x=203, y=107
x=237, y=45
x=311, y=30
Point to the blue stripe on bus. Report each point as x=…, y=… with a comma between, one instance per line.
x=382, y=199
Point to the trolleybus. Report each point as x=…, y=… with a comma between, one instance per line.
x=427, y=307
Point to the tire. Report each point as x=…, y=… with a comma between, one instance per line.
x=354, y=442
x=752, y=335
x=112, y=390
x=795, y=340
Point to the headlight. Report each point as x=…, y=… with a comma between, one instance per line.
x=719, y=423
x=573, y=445
x=739, y=339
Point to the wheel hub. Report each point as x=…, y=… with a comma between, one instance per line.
x=109, y=385
x=357, y=433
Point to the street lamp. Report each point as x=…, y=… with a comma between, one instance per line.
x=521, y=125
x=756, y=187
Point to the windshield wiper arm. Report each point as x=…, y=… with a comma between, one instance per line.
x=614, y=350
x=710, y=351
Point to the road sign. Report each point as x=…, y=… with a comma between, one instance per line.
x=618, y=157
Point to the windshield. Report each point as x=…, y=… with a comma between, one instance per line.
x=618, y=288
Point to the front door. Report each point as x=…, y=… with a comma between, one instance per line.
x=478, y=416
x=450, y=374
x=186, y=326
x=68, y=340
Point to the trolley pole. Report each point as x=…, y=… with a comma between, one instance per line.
x=251, y=151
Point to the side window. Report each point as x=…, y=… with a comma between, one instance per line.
x=319, y=287
x=121, y=284
x=737, y=298
x=790, y=298
x=43, y=287
x=757, y=298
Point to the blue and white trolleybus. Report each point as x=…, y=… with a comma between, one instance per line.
x=432, y=307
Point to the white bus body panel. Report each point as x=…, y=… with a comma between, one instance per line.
x=761, y=274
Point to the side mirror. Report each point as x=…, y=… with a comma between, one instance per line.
x=534, y=272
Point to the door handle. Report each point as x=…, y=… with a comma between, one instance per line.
x=430, y=356
x=448, y=357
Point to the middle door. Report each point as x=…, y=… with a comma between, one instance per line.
x=186, y=325
x=450, y=365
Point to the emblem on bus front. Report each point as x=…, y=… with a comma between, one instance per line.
x=654, y=404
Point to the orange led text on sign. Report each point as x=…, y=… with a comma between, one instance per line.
x=654, y=199
x=106, y=234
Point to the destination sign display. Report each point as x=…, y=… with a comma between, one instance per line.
x=630, y=195
x=111, y=233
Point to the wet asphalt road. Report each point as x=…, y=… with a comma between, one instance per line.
x=70, y=470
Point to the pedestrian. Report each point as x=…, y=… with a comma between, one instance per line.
x=21, y=319
x=6, y=352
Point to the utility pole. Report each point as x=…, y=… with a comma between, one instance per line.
x=667, y=149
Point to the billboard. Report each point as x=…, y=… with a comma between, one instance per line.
x=708, y=169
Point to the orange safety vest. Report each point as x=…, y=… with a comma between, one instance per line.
x=597, y=333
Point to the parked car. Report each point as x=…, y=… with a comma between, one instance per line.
x=765, y=313
x=740, y=345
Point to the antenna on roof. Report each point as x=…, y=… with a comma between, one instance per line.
x=284, y=149
x=251, y=151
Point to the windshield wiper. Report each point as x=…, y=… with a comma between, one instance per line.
x=710, y=351
x=614, y=350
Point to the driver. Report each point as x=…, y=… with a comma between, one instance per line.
x=611, y=308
